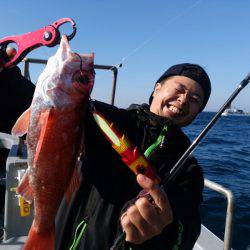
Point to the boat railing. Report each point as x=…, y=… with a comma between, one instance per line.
x=229, y=213
x=114, y=69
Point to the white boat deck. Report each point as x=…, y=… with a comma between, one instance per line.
x=208, y=241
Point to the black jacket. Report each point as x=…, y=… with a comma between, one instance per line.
x=107, y=183
x=16, y=94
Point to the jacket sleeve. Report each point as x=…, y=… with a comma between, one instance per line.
x=14, y=87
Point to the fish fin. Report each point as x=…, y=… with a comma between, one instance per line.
x=21, y=126
x=74, y=184
x=40, y=240
x=24, y=188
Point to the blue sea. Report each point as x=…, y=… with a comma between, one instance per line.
x=225, y=157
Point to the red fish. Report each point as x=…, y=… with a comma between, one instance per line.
x=54, y=135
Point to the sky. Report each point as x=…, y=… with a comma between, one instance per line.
x=147, y=37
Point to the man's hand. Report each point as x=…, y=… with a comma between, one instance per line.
x=144, y=220
x=11, y=52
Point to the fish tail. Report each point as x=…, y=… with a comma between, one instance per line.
x=40, y=241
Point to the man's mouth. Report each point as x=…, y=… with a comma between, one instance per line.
x=175, y=110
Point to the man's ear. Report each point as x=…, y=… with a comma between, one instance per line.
x=157, y=88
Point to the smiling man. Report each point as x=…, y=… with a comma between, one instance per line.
x=105, y=204
x=181, y=93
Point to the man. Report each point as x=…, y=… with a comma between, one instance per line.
x=104, y=205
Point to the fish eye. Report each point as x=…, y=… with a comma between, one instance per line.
x=84, y=79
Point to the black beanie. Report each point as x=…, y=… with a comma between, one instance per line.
x=192, y=71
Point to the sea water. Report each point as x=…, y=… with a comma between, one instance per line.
x=225, y=157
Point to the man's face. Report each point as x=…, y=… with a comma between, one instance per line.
x=178, y=98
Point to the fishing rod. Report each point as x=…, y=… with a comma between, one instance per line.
x=179, y=166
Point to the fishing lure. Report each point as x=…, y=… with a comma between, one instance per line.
x=129, y=153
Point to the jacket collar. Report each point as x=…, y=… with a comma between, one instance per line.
x=175, y=135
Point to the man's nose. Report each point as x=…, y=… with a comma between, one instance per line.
x=183, y=98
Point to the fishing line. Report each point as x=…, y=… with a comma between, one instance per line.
x=156, y=33
x=173, y=19
x=145, y=42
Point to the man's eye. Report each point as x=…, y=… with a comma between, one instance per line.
x=196, y=99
